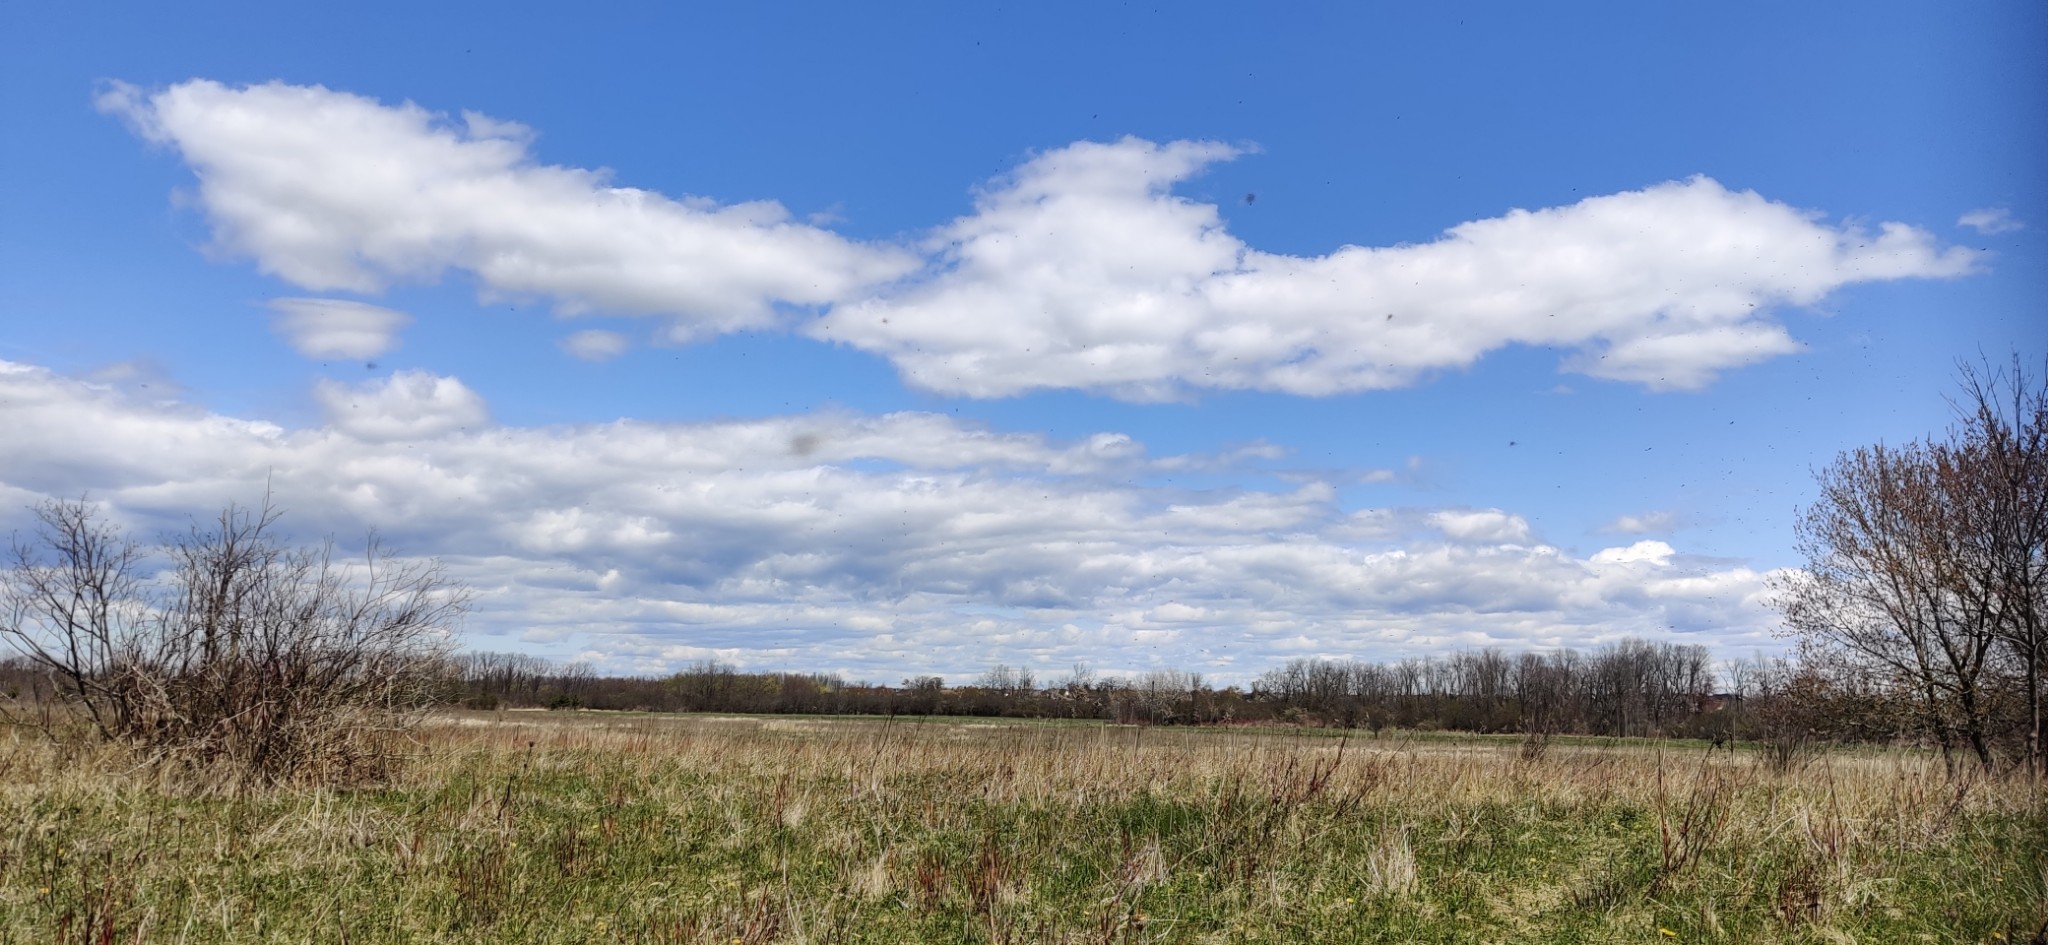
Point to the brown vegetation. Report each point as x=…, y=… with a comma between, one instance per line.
x=242, y=658
x=574, y=827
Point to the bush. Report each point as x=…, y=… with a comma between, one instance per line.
x=243, y=657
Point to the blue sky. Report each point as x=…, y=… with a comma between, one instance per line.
x=811, y=337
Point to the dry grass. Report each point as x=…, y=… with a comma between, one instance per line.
x=536, y=827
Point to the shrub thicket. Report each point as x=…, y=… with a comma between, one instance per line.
x=224, y=650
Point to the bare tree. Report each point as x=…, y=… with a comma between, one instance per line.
x=1998, y=464
x=243, y=656
x=1873, y=591
x=1007, y=679
x=1926, y=569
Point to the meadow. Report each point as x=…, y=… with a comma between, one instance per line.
x=584, y=827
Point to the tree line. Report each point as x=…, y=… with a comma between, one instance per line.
x=1630, y=688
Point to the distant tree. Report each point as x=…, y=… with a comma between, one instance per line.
x=707, y=686
x=924, y=694
x=1007, y=679
x=1166, y=695
x=486, y=680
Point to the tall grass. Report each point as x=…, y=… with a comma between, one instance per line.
x=532, y=827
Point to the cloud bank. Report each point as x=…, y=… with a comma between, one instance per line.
x=1080, y=270
x=872, y=545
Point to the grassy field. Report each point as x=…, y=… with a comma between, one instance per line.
x=537, y=827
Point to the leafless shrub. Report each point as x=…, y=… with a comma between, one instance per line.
x=1685, y=834
x=1787, y=752
x=244, y=657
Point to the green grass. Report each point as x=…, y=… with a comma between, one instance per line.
x=589, y=828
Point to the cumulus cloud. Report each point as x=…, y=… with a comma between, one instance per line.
x=873, y=545
x=337, y=328
x=408, y=405
x=595, y=345
x=1991, y=221
x=1486, y=525
x=1083, y=270
x=329, y=190
x=1655, y=553
x=1080, y=270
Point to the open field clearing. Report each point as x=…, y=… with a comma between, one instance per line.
x=582, y=827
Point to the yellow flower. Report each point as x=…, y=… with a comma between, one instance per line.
x=1667, y=933
x=1349, y=901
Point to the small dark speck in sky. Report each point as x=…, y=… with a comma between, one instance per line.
x=1251, y=198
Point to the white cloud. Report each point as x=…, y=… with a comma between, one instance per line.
x=1487, y=525
x=1083, y=270
x=1655, y=553
x=337, y=328
x=408, y=405
x=1991, y=221
x=595, y=345
x=329, y=190
x=1079, y=270
x=1648, y=523
x=875, y=545
x=137, y=374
